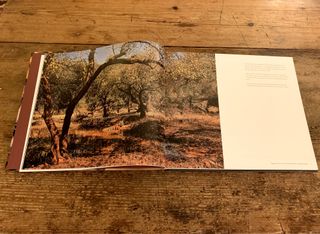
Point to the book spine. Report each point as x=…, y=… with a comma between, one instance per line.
x=24, y=114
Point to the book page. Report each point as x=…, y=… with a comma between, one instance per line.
x=135, y=109
x=263, y=124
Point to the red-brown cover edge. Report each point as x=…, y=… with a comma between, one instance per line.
x=24, y=115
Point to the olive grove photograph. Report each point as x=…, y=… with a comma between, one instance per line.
x=129, y=104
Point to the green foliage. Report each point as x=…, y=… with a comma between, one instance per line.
x=189, y=79
x=186, y=83
x=66, y=75
x=103, y=94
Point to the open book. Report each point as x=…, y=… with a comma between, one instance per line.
x=137, y=106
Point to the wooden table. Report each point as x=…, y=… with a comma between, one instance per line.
x=161, y=202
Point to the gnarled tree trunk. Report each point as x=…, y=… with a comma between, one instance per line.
x=48, y=113
x=142, y=106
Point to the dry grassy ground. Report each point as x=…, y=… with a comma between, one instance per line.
x=180, y=141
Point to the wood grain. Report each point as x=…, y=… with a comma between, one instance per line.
x=217, y=23
x=159, y=201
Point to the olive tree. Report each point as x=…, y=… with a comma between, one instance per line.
x=136, y=52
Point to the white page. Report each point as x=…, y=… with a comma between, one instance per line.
x=263, y=123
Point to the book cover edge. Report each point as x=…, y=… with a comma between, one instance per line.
x=23, y=115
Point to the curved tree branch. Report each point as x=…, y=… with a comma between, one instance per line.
x=111, y=61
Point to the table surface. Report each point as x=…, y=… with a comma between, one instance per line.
x=160, y=201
